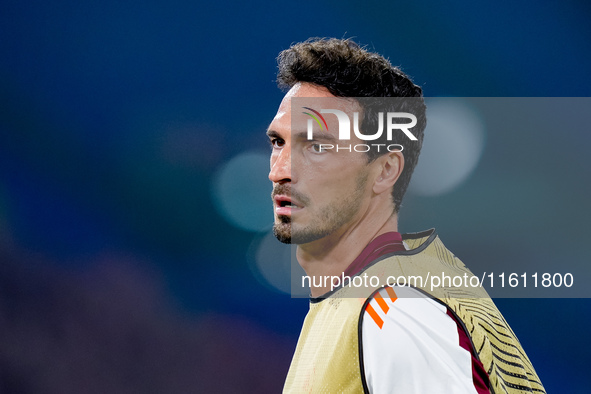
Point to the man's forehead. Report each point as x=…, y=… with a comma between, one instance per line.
x=318, y=94
x=303, y=95
x=305, y=89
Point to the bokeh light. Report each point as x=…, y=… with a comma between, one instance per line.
x=241, y=191
x=453, y=145
x=270, y=261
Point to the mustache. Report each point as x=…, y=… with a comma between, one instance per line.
x=288, y=191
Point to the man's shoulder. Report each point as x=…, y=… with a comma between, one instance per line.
x=406, y=333
x=397, y=305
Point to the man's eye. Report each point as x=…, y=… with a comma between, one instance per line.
x=317, y=148
x=277, y=142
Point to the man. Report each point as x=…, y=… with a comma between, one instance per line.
x=337, y=196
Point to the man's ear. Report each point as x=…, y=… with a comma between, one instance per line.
x=391, y=166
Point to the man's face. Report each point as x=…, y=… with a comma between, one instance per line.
x=316, y=193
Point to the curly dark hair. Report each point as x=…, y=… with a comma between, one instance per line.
x=346, y=69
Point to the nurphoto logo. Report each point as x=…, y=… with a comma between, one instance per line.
x=345, y=129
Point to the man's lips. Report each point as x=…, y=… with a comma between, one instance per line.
x=285, y=205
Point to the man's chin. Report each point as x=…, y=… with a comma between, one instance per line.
x=282, y=229
x=282, y=233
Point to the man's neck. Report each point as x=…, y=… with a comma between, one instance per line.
x=331, y=255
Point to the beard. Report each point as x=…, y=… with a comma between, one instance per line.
x=329, y=218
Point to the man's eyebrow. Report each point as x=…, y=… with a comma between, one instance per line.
x=272, y=134
x=317, y=136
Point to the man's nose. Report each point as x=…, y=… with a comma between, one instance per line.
x=281, y=167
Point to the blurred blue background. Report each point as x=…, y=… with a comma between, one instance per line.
x=125, y=265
